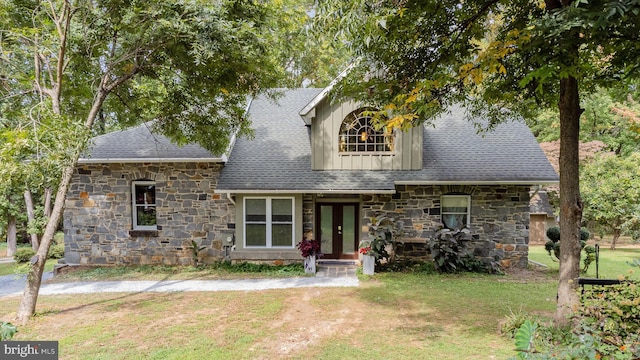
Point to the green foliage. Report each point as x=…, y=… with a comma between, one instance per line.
x=448, y=248
x=384, y=231
x=7, y=331
x=553, y=233
x=613, y=310
x=23, y=254
x=524, y=339
x=553, y=246
x=611, y=193
x=607, y=327
x=56, y=251
x=195, y=252
x=408, y=265
x=610, y=116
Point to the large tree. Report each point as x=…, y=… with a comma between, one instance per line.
x=611, y=190
x=187, y=64
x=501, y=59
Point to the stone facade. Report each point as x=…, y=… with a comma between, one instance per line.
x=499, y=219
x=98, y=215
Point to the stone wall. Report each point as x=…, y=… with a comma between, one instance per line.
x=98, y=219
x=499, y=219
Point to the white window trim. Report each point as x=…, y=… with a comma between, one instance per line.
x=134, y=209
x=268, y=223
x=442, y=213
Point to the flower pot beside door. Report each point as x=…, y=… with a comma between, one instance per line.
x=310, y=250
x=368, y=264
x=310, y=264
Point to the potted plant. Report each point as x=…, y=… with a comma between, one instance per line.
x=368, y=258
x=310, y=250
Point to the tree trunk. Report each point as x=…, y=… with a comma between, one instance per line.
x=47, y=202
x=28, y=201
x=12, y=236
x=616, y=236
x=570, y=202
x=30, y=296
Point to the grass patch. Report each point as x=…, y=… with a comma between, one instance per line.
x=216, y=271
x=613, y=263
x=15, y=268
x=391, y=315
x=3, y=249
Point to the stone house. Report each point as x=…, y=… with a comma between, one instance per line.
x=314, y=169
x=541, y=216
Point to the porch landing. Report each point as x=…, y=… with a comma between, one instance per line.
x=336, y=268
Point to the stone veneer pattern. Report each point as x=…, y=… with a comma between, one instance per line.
x=98, y=220
x=499, y=219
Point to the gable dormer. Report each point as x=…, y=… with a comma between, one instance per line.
x=343, y=138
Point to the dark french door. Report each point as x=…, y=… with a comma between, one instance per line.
x=337, y=228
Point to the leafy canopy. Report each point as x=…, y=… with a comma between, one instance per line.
x=418, y=57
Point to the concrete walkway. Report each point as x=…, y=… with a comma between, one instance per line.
x=340, y=276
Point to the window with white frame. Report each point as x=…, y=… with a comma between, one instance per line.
x=268, y=222
x=455, y=211
x=144, y=205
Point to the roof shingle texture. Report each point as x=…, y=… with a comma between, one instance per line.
x=279, y=157
x=141, y=143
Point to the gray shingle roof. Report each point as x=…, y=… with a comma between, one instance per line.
x=539, y=203
x=278, y=159
x=140, y=144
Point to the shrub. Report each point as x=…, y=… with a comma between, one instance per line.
x=408, y=265
x=607, y=327
x=56, y=250
x=553, y=233
x=7, y=330
x=23, y=255
x=553, y=245
x=447, y=249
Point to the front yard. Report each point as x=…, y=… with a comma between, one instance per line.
x=390, y=316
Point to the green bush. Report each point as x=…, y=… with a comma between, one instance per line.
x=448, y=249
x=7, y=330
x=553, y=233
x=607, y=327
x=23, y=254
x=56, y=251
x=585, y=234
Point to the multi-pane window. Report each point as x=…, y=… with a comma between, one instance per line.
x=268, y=222
x=455, y=211
x=144, y=205
x=357, y=134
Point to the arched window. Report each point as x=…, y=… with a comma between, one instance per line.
x=358, y=135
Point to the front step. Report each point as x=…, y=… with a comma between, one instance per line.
x=336, y=268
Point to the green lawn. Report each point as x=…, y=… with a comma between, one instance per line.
x=612, y=264
x=391, y=316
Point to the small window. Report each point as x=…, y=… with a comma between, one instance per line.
x=144, y=205
x=455, y=211
x=268, y=222
x=357, y=134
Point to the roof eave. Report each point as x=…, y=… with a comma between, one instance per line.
x=479, y=182
x=303, y=191
x=221, y=159
x=306, y=111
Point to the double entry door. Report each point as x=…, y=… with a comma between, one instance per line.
x=337, y=228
